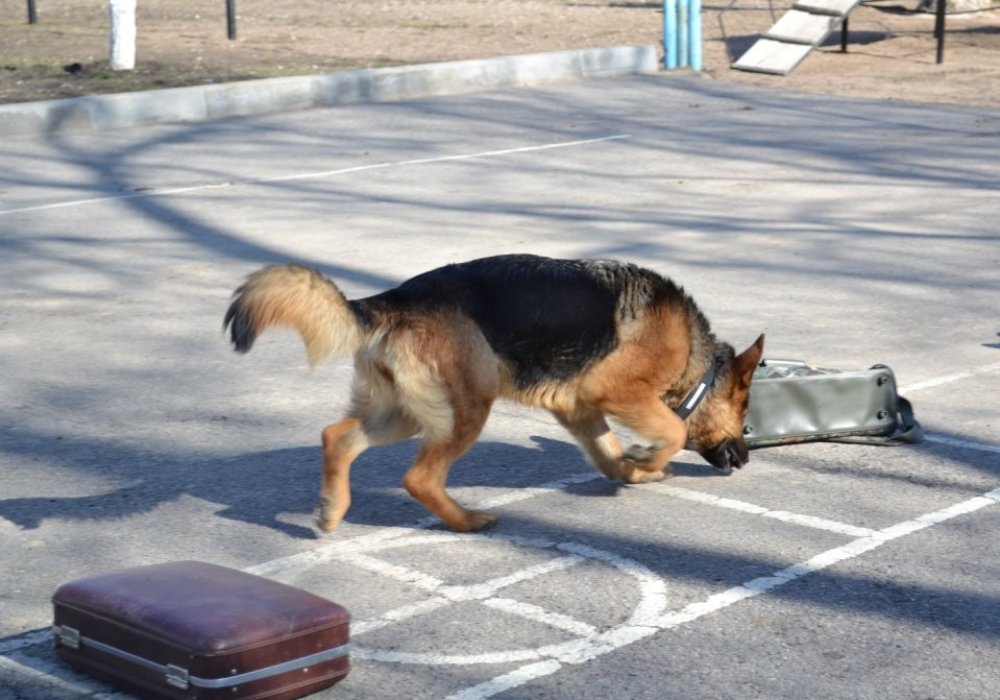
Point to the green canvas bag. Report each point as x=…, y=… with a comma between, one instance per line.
x=793, y=402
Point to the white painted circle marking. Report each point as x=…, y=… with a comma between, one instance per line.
x=585, y=640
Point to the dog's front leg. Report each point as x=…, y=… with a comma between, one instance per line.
x=667, y=433
x=342, y=443
x=596, y=439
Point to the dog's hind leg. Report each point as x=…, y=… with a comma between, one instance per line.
x=342, y=443
x=426, y=479
x=375, y=418
x=451, y=401
x=594, y=435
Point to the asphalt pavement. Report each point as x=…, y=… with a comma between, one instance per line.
x=852, y=232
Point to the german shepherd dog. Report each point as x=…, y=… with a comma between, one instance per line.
x=586, y=339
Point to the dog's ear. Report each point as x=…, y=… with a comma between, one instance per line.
x=746, y=362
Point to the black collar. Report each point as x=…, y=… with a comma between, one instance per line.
x=695, y=396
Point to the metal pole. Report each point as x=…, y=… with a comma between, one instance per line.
x=231, y=19
x=939, y=29
x=670, y=34
x=694, y=34
x=122, y=34
x=843, y=36
x=32, y=15
x=682, y=32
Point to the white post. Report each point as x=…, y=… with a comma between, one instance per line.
x=122, y=34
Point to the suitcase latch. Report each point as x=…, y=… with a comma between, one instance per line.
x=68, y=636
x=178, y=677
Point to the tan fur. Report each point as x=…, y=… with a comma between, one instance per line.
x=296, y=297
x=715, y=422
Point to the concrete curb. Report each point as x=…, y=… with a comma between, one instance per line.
x=199, y=103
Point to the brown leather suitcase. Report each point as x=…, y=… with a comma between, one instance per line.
x=192, y=630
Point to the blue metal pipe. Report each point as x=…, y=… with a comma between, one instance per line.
x=694, y=34
x=669, y=34
x=682, y=33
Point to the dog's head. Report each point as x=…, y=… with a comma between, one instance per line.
x=715, y=430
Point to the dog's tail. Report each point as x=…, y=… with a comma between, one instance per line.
x=294, y=297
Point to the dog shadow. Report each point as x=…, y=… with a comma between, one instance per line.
x=278, y=489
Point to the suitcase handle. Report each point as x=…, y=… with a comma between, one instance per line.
x=909, y=431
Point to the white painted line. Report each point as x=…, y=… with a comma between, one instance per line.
x=653, y=591
x=969, y=506
x=539, y=614
x=429, y=659
x=532, y=492
x=949, y=378
x=586, y=649
x=583, y=650
x=710, y=499
x=312, y=557
x=399, y=614
x=443, y=159
x=752, y=509
x=481, y=591
x=403, y=574
x=313, y=175
x=818, y=523
x=506, y=682
x=589, y=641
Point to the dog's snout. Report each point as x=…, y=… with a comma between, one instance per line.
x=727, y=456
x=737, y=456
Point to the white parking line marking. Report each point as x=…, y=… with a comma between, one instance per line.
x=506, y=682
x=481, y=591
x=818, y=523
x=650, y=606
x=443, y=159
x=536, y=613
x=752, y=509
x=419, y=659
x=591, y=648
x=401, y=573
x=533, y=491
x=313, y=175
x=653, y=591
x=403, y=612
x=949, y=378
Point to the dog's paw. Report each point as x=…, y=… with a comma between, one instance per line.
x=478, y=520
x=642, y=471
x=641, y=477
x=638, y=454
x=325, y=516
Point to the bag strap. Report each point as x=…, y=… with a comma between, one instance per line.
x=908, y=430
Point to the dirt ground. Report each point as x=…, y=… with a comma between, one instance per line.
x=184, y=42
